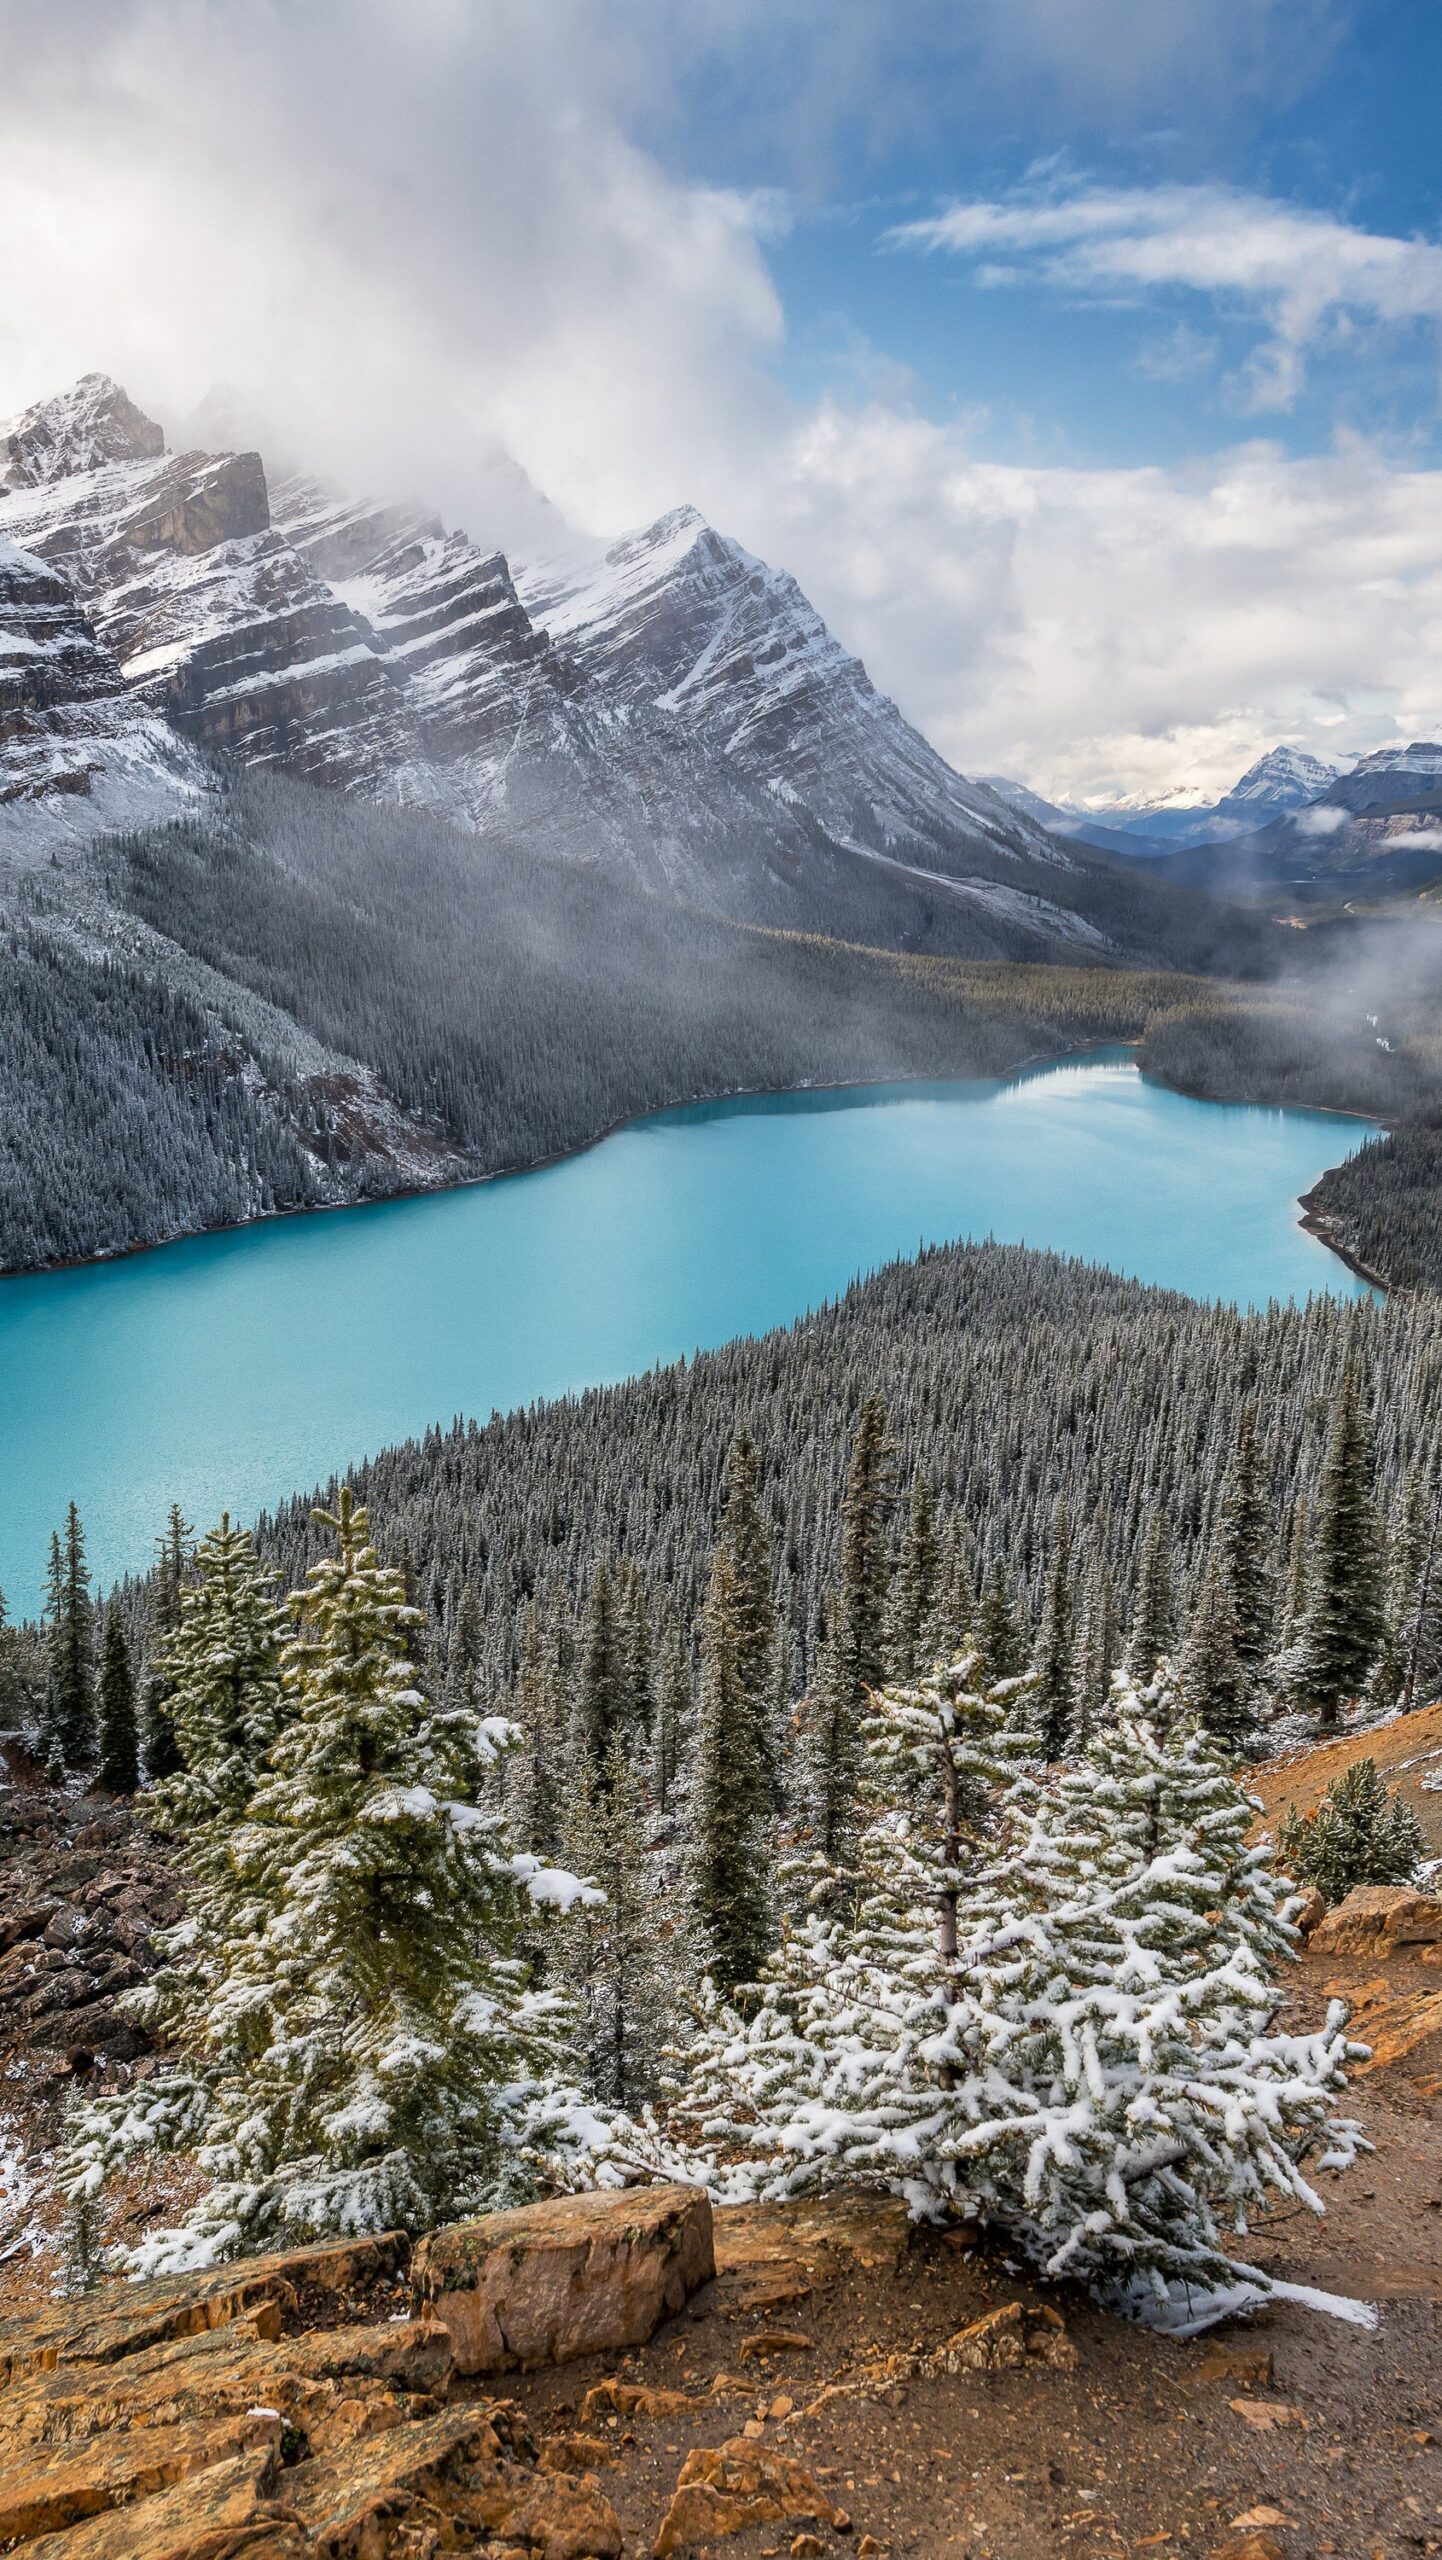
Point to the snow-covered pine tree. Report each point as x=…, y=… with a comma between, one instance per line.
x=954, y=1606
x=534, y=1768
x=612, y=1953
x=747, y=1547
x=1055, y=2003
x=730, y=1797
x=119, y=1772
x=1214, y=1684
x=1409, y=1665
x=1361, y=1833
x=1097, y=1655
x=827, y=1772
x=847, y=2061
x=1135, y=2102
x=674, y=1706
x=1342, y=1628
x=914, y=1587
x=1154, y=1613
x=371, y=2058
x=601, y=1697
x=1054, y=1698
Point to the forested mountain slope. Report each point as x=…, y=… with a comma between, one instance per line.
x=1020, y=1387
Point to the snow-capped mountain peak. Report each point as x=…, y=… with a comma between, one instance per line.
x=1284, y=778
x=94, y=422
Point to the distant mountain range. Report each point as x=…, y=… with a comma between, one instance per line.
x=1293, y=823
x=668, y=710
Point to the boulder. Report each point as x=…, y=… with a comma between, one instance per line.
x=573, y=2277
x=725, y=2489
x=1379, y=1919
x=1310, y=1908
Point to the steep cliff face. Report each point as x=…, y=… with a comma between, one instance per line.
x=213, y=620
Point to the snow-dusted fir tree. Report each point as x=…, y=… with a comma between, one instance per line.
x=370, y=2058
x=1214, y=1683
x=1055, y=2003
x=1361, y=1833
x=1134, y=2100
x=846, y=2064
x=221, y=1667
x=1154, y=1614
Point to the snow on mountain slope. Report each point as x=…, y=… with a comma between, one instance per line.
x=678, y=618
x=1285, y=778
x=74, y=752
x=1390, y=773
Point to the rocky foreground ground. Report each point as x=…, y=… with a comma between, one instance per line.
x=635, y=2375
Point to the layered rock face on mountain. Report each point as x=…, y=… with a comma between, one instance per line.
x=66, y=716
x=214, y=621
x=670, y=709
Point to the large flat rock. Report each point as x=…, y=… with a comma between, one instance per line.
x=577, y=2276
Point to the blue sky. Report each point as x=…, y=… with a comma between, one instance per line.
x=1328, y=110
x=1080, y=357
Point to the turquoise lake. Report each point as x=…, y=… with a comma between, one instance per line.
x=231, y=1370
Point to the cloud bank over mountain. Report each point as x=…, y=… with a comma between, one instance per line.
x=414, y=242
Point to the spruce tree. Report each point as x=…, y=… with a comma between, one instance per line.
x=1244, y=1547
x=1214, y=1683
x=1054, y=1698
x=914, y=1587
x=369, y=2058
x=1342, y=1628
x=952, y=1615
x=70, y=1704
x=748, y=1548
x=1097, y=1661
x=220, y=1665
x=119, y=1736
x=673, y=1715
x=865, y=1527
x=612, y=1956
x=161, y=1752
x=602, y=1697
x=1154, y=1615
x=828, y=1771
x=535, y=1765
x=730, y=1798
x=1361, y=1833
x=1000, y=1635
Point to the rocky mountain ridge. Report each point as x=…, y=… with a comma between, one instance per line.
x=669, y=709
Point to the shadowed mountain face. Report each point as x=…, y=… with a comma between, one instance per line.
x=670, y=710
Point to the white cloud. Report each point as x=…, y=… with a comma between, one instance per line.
x=1305, y=272
x=1099, y=632
x=1320, y=822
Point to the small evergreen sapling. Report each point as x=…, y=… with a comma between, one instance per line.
x=1361, y=1833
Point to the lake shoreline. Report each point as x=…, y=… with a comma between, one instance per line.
x=683, y=1102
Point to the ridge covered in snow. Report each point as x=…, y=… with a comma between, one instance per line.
x=670, y=707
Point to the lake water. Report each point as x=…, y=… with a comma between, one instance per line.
x=231, y=1370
